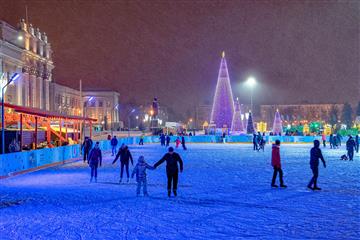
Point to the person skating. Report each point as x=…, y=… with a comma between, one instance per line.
x=183, y=142
x=86, y=147
x=255, y=142
x=323, y=138
x=350, y=147
x=125, y=156
x=114, y=143
x=167, y=140
x=162, y=139
x=338, y=139
x=172, y=170
x=331, y=141
x=140, y=172
x=95, y=159
x=315, y=155
x=357, y=143
x=141, y=142
x=177, y=142
x=276, y=163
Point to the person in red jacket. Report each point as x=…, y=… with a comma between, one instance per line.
x=275, y=162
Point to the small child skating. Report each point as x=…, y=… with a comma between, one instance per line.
x=95, y=159
x=140, y=172
x=275, y=162
x=177, y=142
x=315, y=155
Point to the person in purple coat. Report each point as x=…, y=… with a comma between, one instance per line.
x=95, y=159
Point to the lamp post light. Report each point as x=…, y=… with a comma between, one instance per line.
x=13, y=78
x=132, y=111
x=84, y=114
x=116, y=107
x=251, y=82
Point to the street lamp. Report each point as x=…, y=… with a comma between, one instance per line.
x=84, y=115
x=132, y=111
x=13, y=78
x=112, y=120
x=251, y=82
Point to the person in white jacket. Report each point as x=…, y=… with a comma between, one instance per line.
x=140, y=172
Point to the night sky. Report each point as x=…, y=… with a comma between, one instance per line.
x=298, y=51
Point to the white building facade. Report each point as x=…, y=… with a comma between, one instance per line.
x=25, y=50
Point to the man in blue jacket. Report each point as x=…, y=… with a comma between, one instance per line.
x=114, y=143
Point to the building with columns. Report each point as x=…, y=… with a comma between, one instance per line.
x=26, y=50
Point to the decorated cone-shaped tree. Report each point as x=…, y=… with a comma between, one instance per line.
x=250, y=125
x=277, y=126
x=237, y=125
x=223, y=105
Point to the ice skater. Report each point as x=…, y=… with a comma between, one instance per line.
x=95, y=159
x=162, y=139
x=125, y=155
x=315, y=155
x=323, y=138
x=183, y=142
x=172, y=170
x=276, y=163
x=255, y=142
x=357, y=143
x=140, y=172
x=141, y=142
x=86, y=147
x=350, y=147
x=114, y=143
x=167, y=140
x=177, y=142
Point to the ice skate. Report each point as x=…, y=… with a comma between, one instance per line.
x=316, y=188
x=175, y=193
x=169, y=193
x=120, y=180
x=283, y=186
x=128, y=180
x=274, y=185
x=96, y=180
x=91, y=180
x=310, y=187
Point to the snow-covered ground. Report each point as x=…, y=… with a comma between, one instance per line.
x=224, y=193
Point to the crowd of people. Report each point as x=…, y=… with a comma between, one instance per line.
x=174, y=163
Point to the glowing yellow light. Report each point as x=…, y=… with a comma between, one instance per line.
x=223, y=54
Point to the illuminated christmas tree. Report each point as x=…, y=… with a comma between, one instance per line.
x=223, y=105
x=277, y=126
x=250, y=125
x=237, y=125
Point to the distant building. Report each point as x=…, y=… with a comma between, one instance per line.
x=65, y=100
x=103, y=106
x=25, y=50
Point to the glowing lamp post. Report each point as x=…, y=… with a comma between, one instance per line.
x=251, y=82
x=132, y=111
x=13, y=78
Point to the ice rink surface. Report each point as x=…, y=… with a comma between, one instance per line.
x=224, y=193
